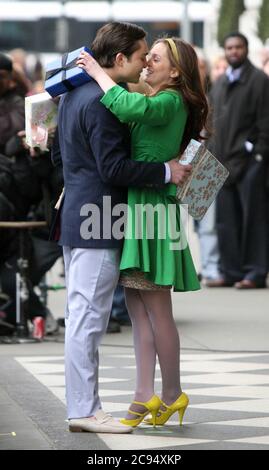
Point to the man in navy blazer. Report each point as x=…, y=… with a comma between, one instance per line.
x=95, y=151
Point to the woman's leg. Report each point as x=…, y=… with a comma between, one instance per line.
x=145, y=352
x=158, y=305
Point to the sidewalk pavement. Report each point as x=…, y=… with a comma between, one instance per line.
x=224, y=369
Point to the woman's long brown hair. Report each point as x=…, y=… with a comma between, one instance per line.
x=189, y=85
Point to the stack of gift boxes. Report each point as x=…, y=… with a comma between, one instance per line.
x=62, y=75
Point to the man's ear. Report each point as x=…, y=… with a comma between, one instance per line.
x=120, y=59
x=174, y=73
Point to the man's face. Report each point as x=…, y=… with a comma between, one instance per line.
x=5, y=81
x=235, y=51
x=132, y=67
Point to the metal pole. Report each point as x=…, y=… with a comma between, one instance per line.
x=18, y=298
x=111, y=14
x=62, y=31
x=185, y=22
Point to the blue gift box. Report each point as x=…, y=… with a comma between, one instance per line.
x=63, y=75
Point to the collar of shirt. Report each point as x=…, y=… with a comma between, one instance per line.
x=233, y=75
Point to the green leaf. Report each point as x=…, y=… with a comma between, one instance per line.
x=229, y=14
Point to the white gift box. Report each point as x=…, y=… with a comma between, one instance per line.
x=206, y=179
x=40, y=119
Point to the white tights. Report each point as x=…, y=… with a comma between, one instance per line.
x=154, y=333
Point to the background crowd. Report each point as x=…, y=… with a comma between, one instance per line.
x=30, y=185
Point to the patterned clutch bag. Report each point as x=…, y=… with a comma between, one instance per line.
x=206, y=179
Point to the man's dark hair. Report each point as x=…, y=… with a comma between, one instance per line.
x=113, y=38
x=236, y=34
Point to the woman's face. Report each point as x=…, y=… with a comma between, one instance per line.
x=159, y=71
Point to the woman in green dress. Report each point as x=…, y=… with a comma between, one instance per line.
x=155, y=256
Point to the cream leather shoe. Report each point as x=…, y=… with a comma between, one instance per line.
x=102, y=422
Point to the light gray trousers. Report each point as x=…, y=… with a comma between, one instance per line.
x=91, y=278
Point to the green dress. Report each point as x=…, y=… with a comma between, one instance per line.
x=157, y=126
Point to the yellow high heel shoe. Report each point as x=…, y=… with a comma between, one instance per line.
x=152, y=406
x=179, y=405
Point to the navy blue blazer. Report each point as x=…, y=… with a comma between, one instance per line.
x=95, y=153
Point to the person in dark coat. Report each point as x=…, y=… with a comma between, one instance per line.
x=95, y=150
x=11, y=104
x=23, y=181
x=240, y=101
